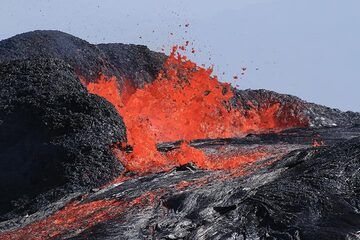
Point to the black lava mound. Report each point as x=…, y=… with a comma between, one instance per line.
x=135, y=63
x=55, y=136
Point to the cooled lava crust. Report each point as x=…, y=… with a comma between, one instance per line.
x=55, y=136
x=92, y=147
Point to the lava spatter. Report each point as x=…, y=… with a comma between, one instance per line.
x=185, y=102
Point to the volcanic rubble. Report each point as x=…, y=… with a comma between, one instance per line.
x=69, y=167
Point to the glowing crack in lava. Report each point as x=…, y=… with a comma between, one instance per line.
x=185, y=102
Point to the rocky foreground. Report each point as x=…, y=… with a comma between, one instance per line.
x=61, y=176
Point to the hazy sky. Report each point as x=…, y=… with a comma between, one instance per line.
x=308, y=48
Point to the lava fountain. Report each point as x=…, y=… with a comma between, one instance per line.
x=185, y=102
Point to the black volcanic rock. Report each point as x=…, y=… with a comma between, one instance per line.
x=134, y=62
x=85, y=58
x=55, y=137
x=127, y=62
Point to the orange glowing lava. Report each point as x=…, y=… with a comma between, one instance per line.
x=77, y=217
x=74, y=217
x=186, y=154
x=185, y=102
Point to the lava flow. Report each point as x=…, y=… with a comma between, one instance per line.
x=78, y=216
x=185, y=102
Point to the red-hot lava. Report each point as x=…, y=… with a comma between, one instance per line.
x=77, y=216
x=185, y=102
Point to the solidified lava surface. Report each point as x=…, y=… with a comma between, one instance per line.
x=114, y=141
x=55, y=136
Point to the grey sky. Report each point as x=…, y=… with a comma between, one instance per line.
x=309, y=48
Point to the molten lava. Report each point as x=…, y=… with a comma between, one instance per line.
x=77, y=217
x=185, y=102
x=186, y=154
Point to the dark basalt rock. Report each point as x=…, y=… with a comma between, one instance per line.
x=135, y=63
x=54, y=135
x=85, y=58
x=127, y=62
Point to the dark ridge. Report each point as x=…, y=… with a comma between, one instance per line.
x=134, y=62
x=55, y=136
x=85, y=58
x=127, y=62
x=305, y=136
